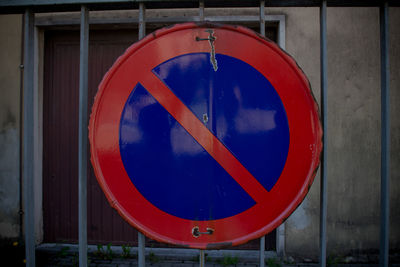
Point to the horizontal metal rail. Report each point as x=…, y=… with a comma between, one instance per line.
x=45, y=21
x=19, y=6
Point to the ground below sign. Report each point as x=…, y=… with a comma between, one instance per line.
x=205, y=136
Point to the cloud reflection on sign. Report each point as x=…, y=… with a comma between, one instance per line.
x=249, y=121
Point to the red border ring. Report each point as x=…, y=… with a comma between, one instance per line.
x=304, y=126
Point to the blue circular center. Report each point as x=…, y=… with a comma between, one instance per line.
x=237, y=104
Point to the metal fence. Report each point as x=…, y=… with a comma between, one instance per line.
x=30, y=7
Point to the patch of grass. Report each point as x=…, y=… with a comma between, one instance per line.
x=100, y=252
x=227, y=261
x=75, y=260
x=273, y=262
x=288, y=262
x=63, y=252
x=126, y=252
x=109, y=252
x=153, y=258
x=333, y=261
x=104, y=253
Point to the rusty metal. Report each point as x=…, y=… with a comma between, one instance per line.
x=196, y=231
x=211, y=39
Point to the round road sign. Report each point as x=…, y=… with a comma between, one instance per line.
x=205, y=136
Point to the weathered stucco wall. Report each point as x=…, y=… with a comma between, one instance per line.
x=353, y=124
x=10, y=55
x=302, y=42
x=353, y=129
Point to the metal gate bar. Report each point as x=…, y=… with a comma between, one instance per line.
x=262, y=32
x=324, y=115
x=201, y=10
x=385, y=136
x=28, y=133
x=141, y=237
x=83, y=133
x=141, y=250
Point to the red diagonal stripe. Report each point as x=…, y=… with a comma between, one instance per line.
x=203, y=136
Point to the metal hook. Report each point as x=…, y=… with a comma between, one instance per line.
x=196, y=231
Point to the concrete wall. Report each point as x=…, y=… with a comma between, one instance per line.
x=10, y=58
x=302, y=42
x=353, y=129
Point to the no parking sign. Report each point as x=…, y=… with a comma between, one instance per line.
x=205, y=136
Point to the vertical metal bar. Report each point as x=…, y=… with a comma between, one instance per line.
x=262, y=18
x=141, y=237
x=83, y=134
x=281, y=33
x=141, y=250
x=280, y=240
x=28, y=142
x=262, y=251
x=21, y=138
x=142, y=20
x=202, y=259
x=280, y=231
x=201, y=10
x=201, y=16
x=385, y=136
x=324, y=111
x=262, y=32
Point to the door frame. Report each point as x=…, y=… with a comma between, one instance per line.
x=45, y=22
